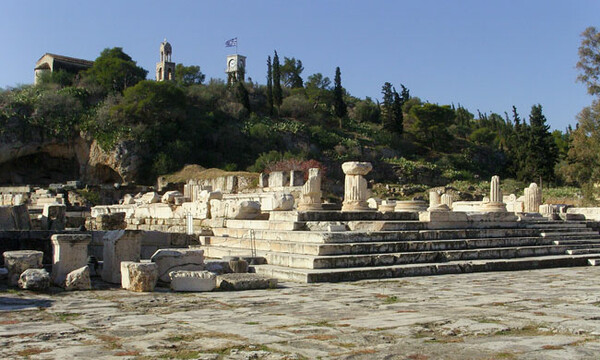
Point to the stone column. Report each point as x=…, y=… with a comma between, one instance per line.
x=435, y=202
x=533, y=198
x=495, y=204
x=311, y=192
x=447, y=200
x=70, y=252
x=355, y=190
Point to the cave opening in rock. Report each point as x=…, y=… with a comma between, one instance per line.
x=39, y=169
x=106, y=175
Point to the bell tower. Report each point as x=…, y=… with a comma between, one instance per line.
x=236, y=68
x=165, y=69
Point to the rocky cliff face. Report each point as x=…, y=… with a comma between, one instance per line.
x=41, y=160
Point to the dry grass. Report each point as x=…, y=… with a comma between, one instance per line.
x=32, y=351
x=197, y=172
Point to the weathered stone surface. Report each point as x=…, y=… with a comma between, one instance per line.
x=182, y=280
x=241, y=210
x=310, y=199
x=34, y=279
x=198, y=209
x=79, y=279
x=119, y=245
x=14, y=217
x=70, y=252
x=282, y=201
x=355, y=186
x=169, y=260
x=238, y=265
x=18, y=261
x=217, y=267
x=154, y=211
x=139, y=277
x=356, y=168
x=387, y=206
x=54, y=217
x=533, y=198
x=149, y=198
x=207, y=196
x=279, y=179
x=128, y=200
x=245, y=282
x=111, y=221
x=169, y=196
x=411, y=205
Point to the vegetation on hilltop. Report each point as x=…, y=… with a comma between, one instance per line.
x=292, y=120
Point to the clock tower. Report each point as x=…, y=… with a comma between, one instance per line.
x=236, y=68
x=165, y=69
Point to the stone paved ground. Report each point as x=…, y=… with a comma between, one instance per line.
x=542, y=314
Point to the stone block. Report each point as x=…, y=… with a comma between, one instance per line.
x=296, y=178
x=279, y=179
x=70, y=252
x=111, y=221
x=246, y=210
x=79, y=279
x=245, y=282
x=182, y=280
x=16, y=262
x=34, y=279
x=170, y=196
x=217, y=267
x=207, y=196
x=139, y=277
x=263, y=180
x=169, y=260
x=119, y=245
x=198, y=209
x=14, y=217
x=149, y=198
x=54, y=217
x=238, y=265
x=279, y=201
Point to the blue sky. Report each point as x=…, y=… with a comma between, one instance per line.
x=485, y=55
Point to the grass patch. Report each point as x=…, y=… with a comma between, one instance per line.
x=528, y=330
x=322, y=337
x=504, y=355
x=180, y=354
x=110, y=342
x=552, y=347
x=252, y=323
x=32, y=351
x=64, y=317
x=128, y=353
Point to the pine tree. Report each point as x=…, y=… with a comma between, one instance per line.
x=397, y=112
x=542, y=154
x=339, y=105
x=387, y=113
x=269, y=85
x=277, y=93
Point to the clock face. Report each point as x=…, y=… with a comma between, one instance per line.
x=232, y=64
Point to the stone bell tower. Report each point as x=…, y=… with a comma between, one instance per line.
x=236, y=68
x=165, y=69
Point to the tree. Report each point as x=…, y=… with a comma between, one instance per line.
x=392, y=117
x=366, y=111
x=431, y=124
x=589, y=60
x=339, y=105
x=542, y=154
x=115, y=71
x=318, y=81
x=583, y=159
x=243, y=96
x=290, y=72
x=188, y=75
x=269, y=85
x=277, y=93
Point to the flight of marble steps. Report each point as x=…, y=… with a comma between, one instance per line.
x=301, y=247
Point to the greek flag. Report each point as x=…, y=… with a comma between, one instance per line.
x=231, y=42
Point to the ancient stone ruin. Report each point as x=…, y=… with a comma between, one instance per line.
x=224, y=233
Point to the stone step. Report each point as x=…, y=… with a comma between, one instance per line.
x=567, y=233
x=376, y=236
x=386, y=225
x=398, y=271
x=558, y=224
x=341, y=216
x=585, y=240
x=387, y=259
x=264, y=224
x=594, y=262
x=587, y=250
x=371, y=247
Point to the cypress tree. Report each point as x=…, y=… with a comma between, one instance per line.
x=387, y=113
x=542, y=153
x=339, y=105
x=269, y=85
x=277, y=94
x=397, y=112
